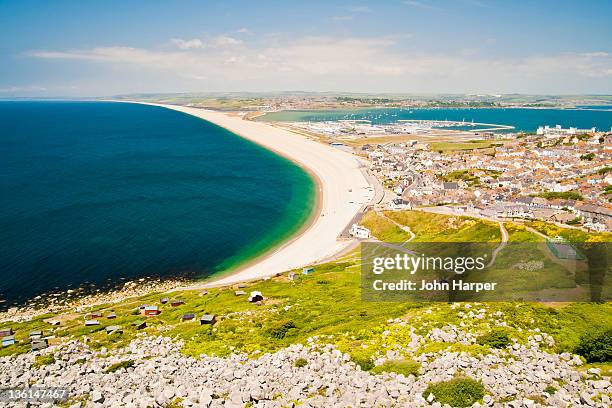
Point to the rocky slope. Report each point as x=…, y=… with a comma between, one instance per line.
x=160, y=375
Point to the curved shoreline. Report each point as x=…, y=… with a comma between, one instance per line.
x=342, y=192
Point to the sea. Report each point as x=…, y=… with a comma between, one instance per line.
x=96, y=193
x=522, y=119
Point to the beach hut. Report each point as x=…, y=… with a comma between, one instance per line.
x=204, y=293
x=256, y=296
x=8, y=341
x=92, y=322
x=96, y=315
x=53, y=322
x=293, y=276
x=208, y=319
x=240, y=293
x=242, y=286
x=111, y=315
x=307, y=271
x=163, y=301
x=7, y=331
x=114, y=329
x=188, y=317
x=177, y=302
x=36, y=334
x=139, y=324
x=39, y=344
x=150, y=311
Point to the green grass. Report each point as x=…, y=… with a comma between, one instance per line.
x=364, y=362
x=596, y=347
x=497, y=338
x=118, y=366
x=605, y=368
x=43, y=360
x=570, y=234
x=462, y=175
x=300, y=362
x=519, y=233
x=384, y=229
x=404, y=367
x=438, y=347
x=445, y=147
x=459, y=392
x=430, y=227
x=567, y=195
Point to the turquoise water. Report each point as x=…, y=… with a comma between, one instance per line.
x=522, y=119
x=96, y=192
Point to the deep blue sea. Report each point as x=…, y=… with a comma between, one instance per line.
x=522, y=119
x=99, y=192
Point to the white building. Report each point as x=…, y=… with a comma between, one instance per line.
x=359, y=232
x=559, y=131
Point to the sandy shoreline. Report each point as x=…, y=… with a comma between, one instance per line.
x=343, y=190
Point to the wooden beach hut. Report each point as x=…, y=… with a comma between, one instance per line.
x=8, y=340
x=40, y=344
x=177, y=303
x=150, y=311
x=208, y=319
x=188, y=317
x=256, y=296
x=92, y=322
x=111, y=315
x=7, y=331
x=307, y=271
x=36, y=334
x=114, y=329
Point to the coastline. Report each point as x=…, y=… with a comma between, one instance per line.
x=341, y=188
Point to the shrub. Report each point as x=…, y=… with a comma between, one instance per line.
x=43, y=360
x=365, y=363
x=405, y=367
x=498, y=339
x=596, y=347
x=588, y=156
x=176, y=403
x=459, y=392
x=120, y=365
x=300, y=362
x=280, y=330
x=550, y=389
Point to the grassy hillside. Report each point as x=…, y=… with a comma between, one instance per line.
x=327, y=303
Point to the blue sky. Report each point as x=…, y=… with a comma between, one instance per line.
x=91, y=48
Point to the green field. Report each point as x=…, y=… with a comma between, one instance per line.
x=446, y=147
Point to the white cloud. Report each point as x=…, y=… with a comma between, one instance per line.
x=595, y=54
x=196, y=43
x=368, y=64
x=23, y=88
x=224, y=40
x=187, y=44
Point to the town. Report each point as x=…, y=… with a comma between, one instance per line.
x=555, y=175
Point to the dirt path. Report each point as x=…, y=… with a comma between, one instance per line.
x=403, y=227
x=502, y=245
